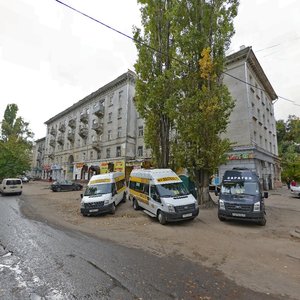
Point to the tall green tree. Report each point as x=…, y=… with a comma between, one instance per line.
x=288, y=138
x=189, y=89
x=15, y=143
x=154, y=84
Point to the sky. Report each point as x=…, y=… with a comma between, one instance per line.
x=51, y=57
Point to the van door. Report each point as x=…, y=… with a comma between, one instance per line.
x=154, y=200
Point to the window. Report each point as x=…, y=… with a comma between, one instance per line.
x=107, y=153
x=109, y=135
x=119, y=113
x=141, y=130
x=120, y=184
x=83, y=156
x=120, y=95
x=140, y=151
x=92, y=155
x=119, y=132
x=118, y=151
x=111, y=97
x=110, y=117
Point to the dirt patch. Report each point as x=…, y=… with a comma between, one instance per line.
x=265, y=259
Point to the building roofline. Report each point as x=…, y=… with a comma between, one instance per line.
x=248, y=55
x=127, y=75
x=40, y=140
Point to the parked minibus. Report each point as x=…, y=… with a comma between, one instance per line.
x=103, y=193
x=161, y=194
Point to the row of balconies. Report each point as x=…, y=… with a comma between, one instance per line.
x=97, y=145
x=98, y=110
x=83, y=133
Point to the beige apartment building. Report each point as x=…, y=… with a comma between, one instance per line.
x=252, y=126
x=104, y=132
x=98, y=133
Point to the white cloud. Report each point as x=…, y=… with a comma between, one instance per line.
x=51, y=56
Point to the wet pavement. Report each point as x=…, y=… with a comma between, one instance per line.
x=38, y=261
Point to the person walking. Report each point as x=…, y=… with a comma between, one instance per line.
x=288, y=183
x=293, y=183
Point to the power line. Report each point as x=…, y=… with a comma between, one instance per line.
x=160, y=52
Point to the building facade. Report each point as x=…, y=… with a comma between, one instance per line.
x=252, y=126
x=38, y=157
x=103, y=131
x=99, y=133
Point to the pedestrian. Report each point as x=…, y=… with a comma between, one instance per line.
x=288, y=183
x=293, y=183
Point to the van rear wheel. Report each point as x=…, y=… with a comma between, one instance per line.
x=124, y=198
x=161, y=218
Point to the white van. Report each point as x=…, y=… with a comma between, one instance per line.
x=161, y=194
x=11, y=186
x=103, y=193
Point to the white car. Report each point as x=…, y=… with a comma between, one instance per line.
x=295, y=190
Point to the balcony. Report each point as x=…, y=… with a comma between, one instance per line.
x=98, y=127
x=98, y=110
x=61, y=139
x=72, y=123
x=52, y=143
x=83, y=132
x=71, y=136
x=96, y=145
x=62, y=127
x=53, y=131
x=84, y=118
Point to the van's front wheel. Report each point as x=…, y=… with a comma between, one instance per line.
x=113, y=209
x=262, y=222
x=135, y=204
x=161, y=218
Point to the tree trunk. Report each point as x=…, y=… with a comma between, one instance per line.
x=202, y=184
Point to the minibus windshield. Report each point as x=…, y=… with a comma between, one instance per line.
x=241, y=187
x=98, y=189
x=172, y=189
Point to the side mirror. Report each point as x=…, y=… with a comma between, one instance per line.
x=266, y=195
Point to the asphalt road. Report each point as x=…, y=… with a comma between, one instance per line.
x=38, y=261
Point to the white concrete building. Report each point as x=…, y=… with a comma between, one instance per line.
x=252, y=126
x=99, y=133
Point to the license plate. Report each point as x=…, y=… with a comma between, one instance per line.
x=238, y=215
x=93, y=210
x=187, y=215
x=13, y=187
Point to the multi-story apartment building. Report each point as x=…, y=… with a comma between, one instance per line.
x=38, y=156
x=98, y=133
x=103, y=131
x=252, y=126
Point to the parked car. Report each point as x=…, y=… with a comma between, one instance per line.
x=11, y=186
x=24, y=179
x=65, y=185
x=295, y=190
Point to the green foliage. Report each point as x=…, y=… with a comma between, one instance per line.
x=179, y=90
x=288, y=137
x=15, y=144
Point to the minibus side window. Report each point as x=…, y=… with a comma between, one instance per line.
x=113, y=189
x=154, y=194
x=146, y=189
